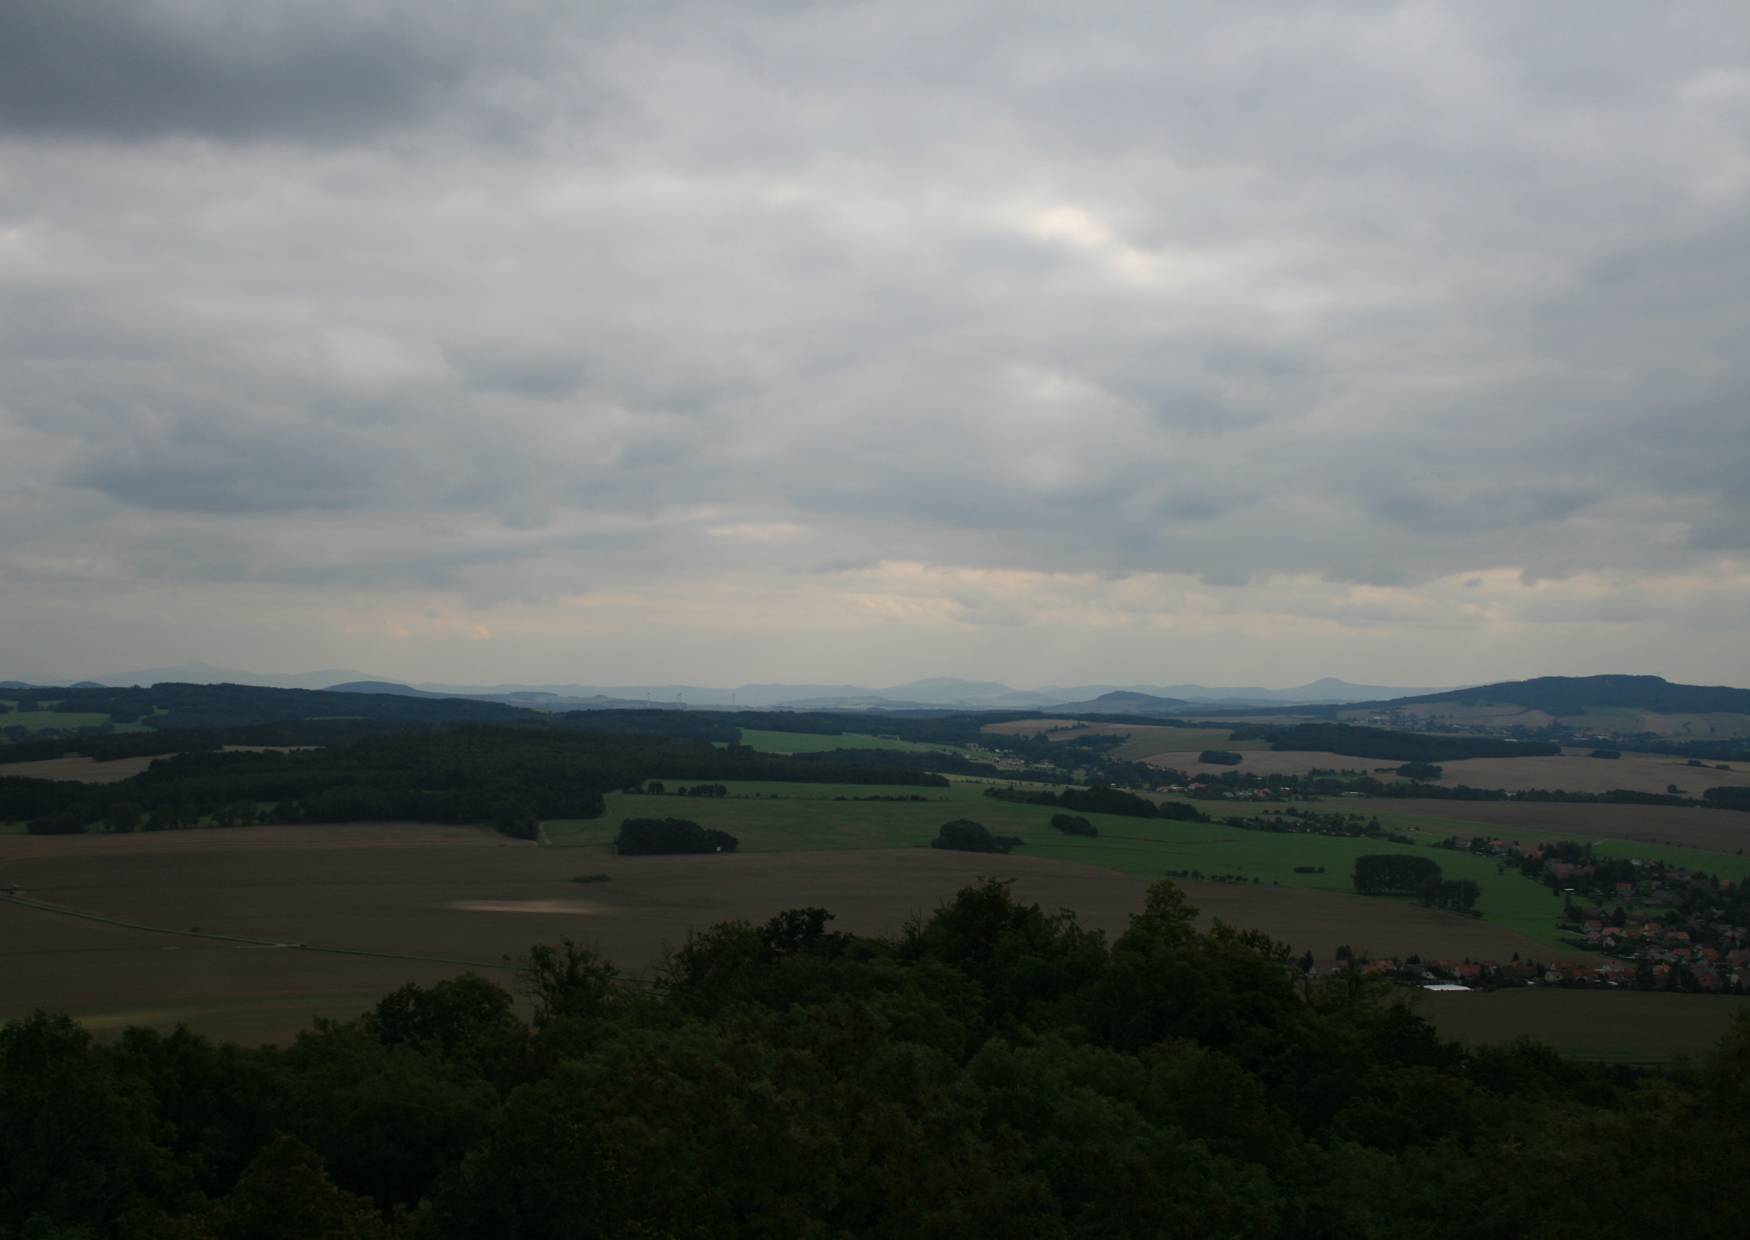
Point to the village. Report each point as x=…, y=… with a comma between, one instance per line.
x=1661, y=927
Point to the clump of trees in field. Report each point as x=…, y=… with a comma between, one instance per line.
x=965, y=835
x=1378, y=874
x=1219, y=757
x=1420, y=771
x=1408, y=875
x=653, y=836
x=1073, y=824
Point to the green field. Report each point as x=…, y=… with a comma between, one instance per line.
x=37, y=720
x=787, y=817
x=775, y=817
x=40, y=720
x=815, y=742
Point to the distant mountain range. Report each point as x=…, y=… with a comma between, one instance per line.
x=931, y=693
x=1558, y=695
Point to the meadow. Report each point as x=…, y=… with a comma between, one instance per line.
x=789, y=818
x=817, y=742
x=39, y=720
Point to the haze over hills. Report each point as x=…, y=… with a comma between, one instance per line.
x=1555, y=695
x=939, y=691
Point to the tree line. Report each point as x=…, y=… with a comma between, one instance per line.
x=507, y=776
x=992, y=1070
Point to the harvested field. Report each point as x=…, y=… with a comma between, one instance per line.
x=82, y=769
x=1618, y=1026
x=1027, y=727
x=1643, y=773
x=1142, y=742
x=417, y=892
x=1266, y=762
x=1713, y=830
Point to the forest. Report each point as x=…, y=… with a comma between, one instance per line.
x=994, y=1070
x=509, y=776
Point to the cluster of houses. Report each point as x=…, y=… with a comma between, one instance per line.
x=1663, y=927
x=1728, y=974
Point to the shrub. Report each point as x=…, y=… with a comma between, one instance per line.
x=1073, y=824
x=654, y=836
x=1219, y=757
x=964, y=835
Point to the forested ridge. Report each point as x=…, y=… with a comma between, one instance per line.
x=511, y=776
x=995, y=1070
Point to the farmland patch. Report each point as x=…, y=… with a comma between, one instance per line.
x=1639, y=773
x=1619, y=1026
x=1267, y=762
x=1713, y=830
x=816, y=742
x=80, y=769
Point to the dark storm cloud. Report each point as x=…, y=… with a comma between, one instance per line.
x=307, y=72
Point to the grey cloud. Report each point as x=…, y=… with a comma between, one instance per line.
x=308, y=72
x=1370, y=293
x=541, y=374
x=221, y=468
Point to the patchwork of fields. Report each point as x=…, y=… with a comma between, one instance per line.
x=401, y=902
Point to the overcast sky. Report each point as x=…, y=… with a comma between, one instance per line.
x=1229, y=342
